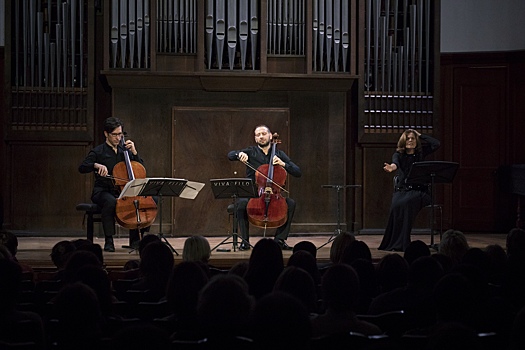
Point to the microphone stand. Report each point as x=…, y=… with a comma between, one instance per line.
x=338, y=230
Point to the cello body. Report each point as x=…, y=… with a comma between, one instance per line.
x=269, y=210
x=138, y=211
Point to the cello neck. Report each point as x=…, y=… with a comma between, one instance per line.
x=270, y=165
x=127, y=160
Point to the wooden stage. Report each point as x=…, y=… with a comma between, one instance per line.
x=35, y=251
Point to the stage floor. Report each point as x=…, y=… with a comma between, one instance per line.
x=35, y=251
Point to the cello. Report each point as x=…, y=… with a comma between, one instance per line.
x=270, y=208
x=132, y=212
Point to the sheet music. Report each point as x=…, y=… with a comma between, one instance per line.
x=168, y=186
x=133, y=188
x=191, y=190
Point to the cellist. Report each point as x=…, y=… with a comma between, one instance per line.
x=254, y=157
x=100, y=161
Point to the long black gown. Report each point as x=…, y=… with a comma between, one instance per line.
x=407, y=201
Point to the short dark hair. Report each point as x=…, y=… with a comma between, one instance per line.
x=112, y=123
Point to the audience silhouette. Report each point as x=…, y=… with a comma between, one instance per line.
x=461, y=293
x=340, y=294
x=264, y=267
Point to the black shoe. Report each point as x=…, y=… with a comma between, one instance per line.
x=244, y=246
x=109, y=247
x=283, y=245
x=135, y=245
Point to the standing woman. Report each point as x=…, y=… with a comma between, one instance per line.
x=407, y=200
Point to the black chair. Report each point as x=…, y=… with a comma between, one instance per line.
x=92, y=214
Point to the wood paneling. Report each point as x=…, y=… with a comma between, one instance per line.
x=315, y=139
x=480, y=116
x=45, y=186
x=482, y=128
x=218, y=131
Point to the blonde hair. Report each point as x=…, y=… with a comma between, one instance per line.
x=196, y=248
x=454, y=244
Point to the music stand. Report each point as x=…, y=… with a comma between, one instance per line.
x=233, y=188
x=337, y=231
x=511, y=179
x=432, y=172
x=159, y=187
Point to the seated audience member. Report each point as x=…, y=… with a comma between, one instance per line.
x=479, y=258
x=498, y=264
x=392, y=272
x=155, y=269
x=515, y=244
x=454, y=245
x=454, y=303
x=298, y=283
x=59, y=255
x=307, y=262
x=10, y=241
x=196, y=248
x=16, y=326
x=280, y=322
x=340, y=293
x=79, y=318
x=444, y=260
x=77, y=260
x=339, y=244
x=416, y=249
x=514, y=283
x=132, y=266
x=79, y=242
x=368, y=286
x=186, y=282
x=239, y=268
x=356, y=250
x=264, y=266
x=224, y=307
x=5, y=253
x=97, y=279
x=517, y=335
x=416, y=298
x=95, y=249
x=306, y=245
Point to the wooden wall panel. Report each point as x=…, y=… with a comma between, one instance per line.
x=316, y=141
x=480, y=116
x=219, y=131
x=45, y=186
x=482, y=104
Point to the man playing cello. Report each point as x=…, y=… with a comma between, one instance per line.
x=101, y=160
x=254, y=157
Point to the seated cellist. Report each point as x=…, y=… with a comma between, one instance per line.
x=255, y=156
x=101, y=160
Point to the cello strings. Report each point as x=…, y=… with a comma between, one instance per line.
x=266, y=177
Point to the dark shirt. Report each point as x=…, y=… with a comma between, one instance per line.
x=104, y=154
x=404, y=161
x=256, y=158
